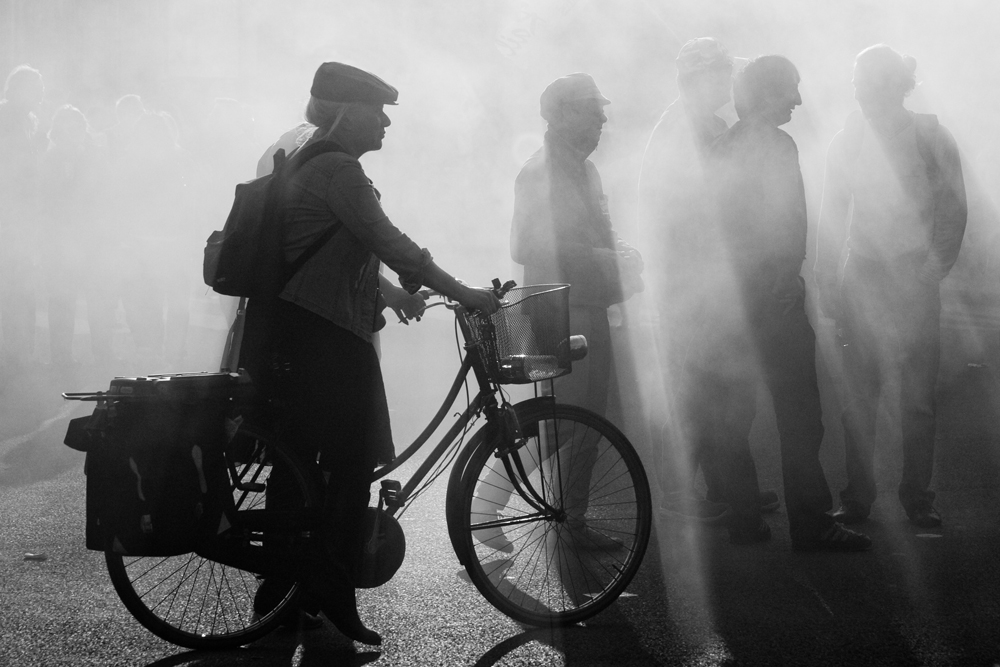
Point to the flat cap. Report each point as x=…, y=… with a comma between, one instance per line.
x=337, y=82
x=569, y=88
x=702, y=53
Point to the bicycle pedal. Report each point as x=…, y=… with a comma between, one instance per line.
x=252, y=487
x=389, y=494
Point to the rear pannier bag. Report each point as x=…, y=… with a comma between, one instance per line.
x=154, y=462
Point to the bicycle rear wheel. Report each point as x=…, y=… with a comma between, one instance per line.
x=558, y=540
x=198, y=603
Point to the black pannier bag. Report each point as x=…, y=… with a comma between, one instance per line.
x=154, y=462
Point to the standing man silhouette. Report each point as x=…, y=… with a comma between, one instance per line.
x=903, y=174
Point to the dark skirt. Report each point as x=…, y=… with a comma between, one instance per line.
x=325, y=382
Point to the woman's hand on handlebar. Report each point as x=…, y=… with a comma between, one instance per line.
x=483, y=300
x=407, y=306
x=471, y=298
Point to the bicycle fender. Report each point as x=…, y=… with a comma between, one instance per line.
x=534, y=404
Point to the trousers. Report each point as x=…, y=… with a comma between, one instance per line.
x=784, y=345
x=891, y=326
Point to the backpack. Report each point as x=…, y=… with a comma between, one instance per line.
x=246, y=257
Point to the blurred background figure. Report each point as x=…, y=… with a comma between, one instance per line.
x=701, y=344
x=159, y=264
x=128, y=110
x=21, y=146
x=77, y=238
x=562, y=233
x=902, y=174
x=763, y=224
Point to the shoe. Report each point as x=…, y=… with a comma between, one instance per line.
x=338, y=601
x=835, y=538
x=705, y=511
x=711, y=514
x=769, y=502
x=580, y=536
x=924, y=515
x=749, y=530
x=850, y=513
x=342, y=610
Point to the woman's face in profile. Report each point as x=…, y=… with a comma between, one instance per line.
x=368, y=123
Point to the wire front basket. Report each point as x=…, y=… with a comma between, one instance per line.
x=527, y=340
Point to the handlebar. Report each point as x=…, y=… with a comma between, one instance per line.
x=498, y=289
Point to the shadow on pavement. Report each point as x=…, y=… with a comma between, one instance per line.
x=279, y=649
x=607, y=639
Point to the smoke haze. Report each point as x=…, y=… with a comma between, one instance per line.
x=469, y=76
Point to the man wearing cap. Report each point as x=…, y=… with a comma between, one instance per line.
x=700, y=331
x=562, y=233
x=319, y=330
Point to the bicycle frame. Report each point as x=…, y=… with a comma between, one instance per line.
x=503, y=416
x=484, y=401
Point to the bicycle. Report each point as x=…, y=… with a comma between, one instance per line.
x=531, y=553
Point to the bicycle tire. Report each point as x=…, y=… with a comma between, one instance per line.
x=453, y=498
x=198, y=603
x=554, y=568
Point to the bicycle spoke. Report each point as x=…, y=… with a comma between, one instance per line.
x=152, y=567
x=508, y=522
x=173, y=597
x=562, y=565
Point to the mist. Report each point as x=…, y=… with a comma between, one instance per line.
x=469, y=76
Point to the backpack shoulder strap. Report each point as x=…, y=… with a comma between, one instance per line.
x=279, y=160
x=294, y=162
x=313, y=248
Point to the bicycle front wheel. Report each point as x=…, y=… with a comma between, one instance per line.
x=198, y=603
x=552, y=529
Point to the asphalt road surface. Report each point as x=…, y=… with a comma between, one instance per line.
x=921, y=597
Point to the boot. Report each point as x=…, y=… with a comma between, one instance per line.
x=331, y=587
x=342, y=609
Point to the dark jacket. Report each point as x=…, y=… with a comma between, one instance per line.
x=561, y=230
x=762, y=202
x=340, y=282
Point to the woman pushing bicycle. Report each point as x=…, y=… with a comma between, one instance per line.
x=311, y=349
